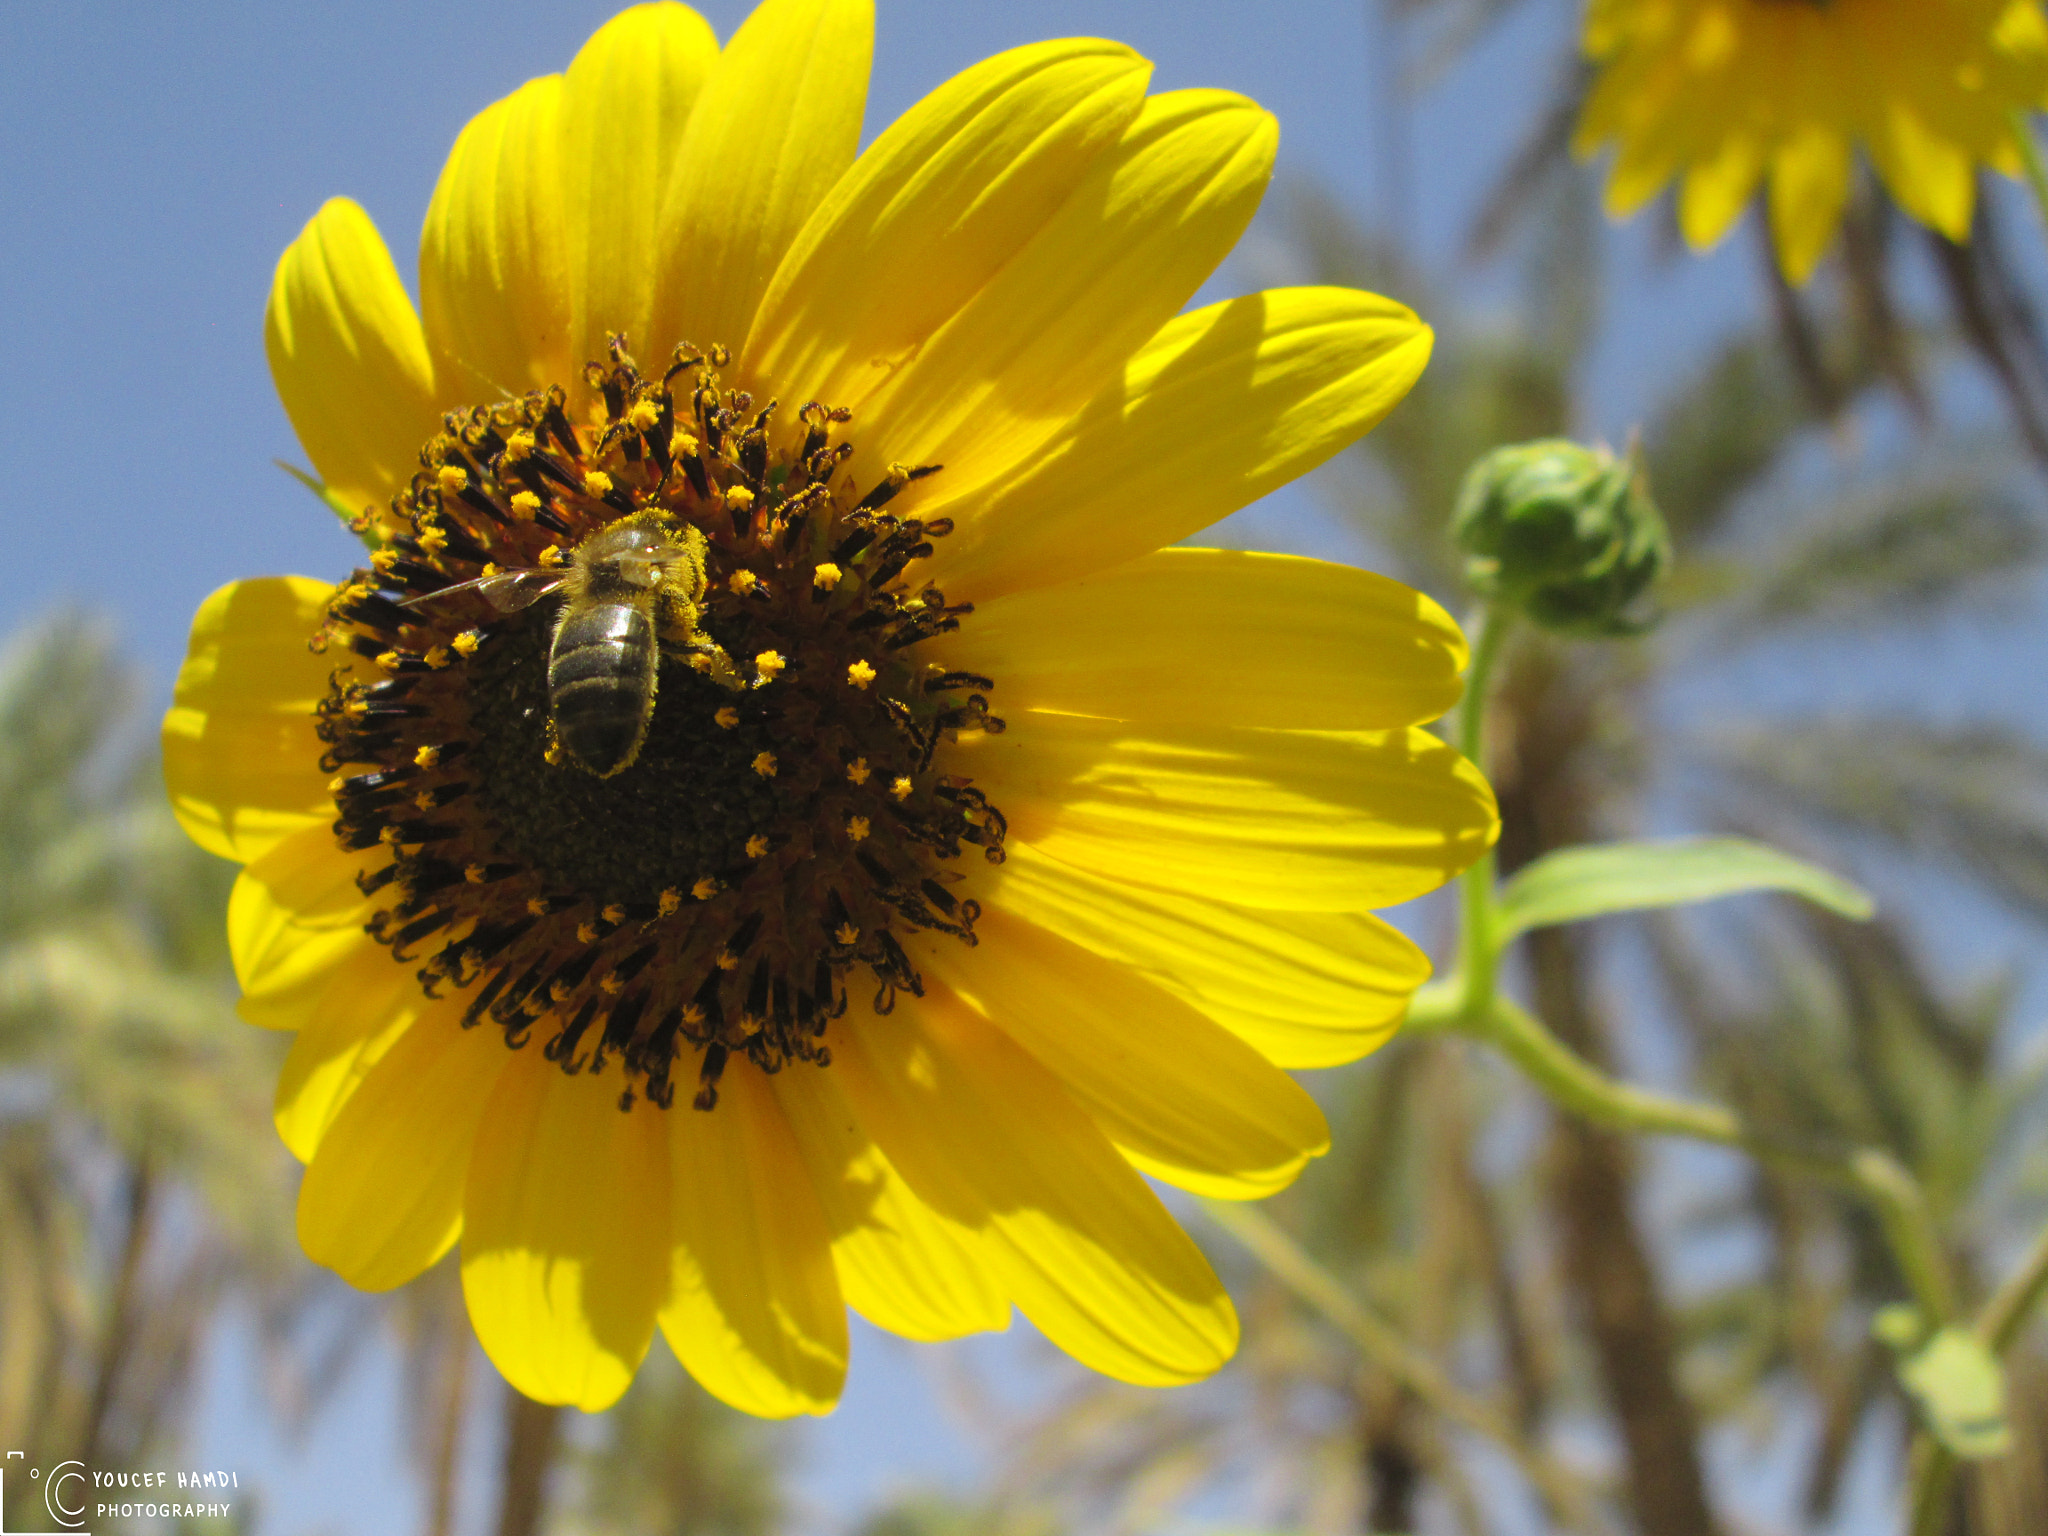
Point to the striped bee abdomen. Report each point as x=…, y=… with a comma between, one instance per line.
x=601, y=674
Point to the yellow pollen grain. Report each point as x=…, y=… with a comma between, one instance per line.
x=427, y=757
x=384, y=559
x=670, y=902
x=826, y=576
x=334, y=784
x=424, y=800
x=391, y=837
x=467, y=642
x=518, y=447
x=857, y=829
x=552, y=555
x=439, y=657
x=764, y=764
x=613, y=914
x=727, y=717
x=525, y=504
x=537, y=906
x=453, y=479
x=743, y=581
x=846, y=933
x=684, y=445
x=857, y=770
x=474, y=873
x=727, y=960
x=552, y=754
x=433, y=541
x=491, y=568
x=860, y=674
x=738, y=497
x=389, y=660
x=357, y=708
x=610, y=985
x=705, y=888
x=643, y=415
x=700, y=661
x=902, y=787
x=586, y=933
x=757, y=846
x=560, y=991
x=597, y=482
x=769, y=665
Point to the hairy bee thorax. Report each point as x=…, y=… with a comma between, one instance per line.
x=788, y=816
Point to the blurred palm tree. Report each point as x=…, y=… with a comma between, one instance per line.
x=140, y=1182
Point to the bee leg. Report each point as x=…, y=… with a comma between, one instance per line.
x=706, y=657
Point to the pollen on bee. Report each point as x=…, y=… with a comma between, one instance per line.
x=597, y=482
x=857, y=770
x=857, y=829
x=727, y=717
x=764, y=764
x=453, y=479
x=769, y=665
x=902, y=787
x=743, y=581
x=427, y=757
x=860, y=674
x=669, y=903
x=757, y=846
x=586, y=933
x=525, y=504
x=705, y=888
x=826, y=576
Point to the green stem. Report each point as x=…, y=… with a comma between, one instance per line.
x=2030, y=158
x=1479, y=954
x=1382, y=1343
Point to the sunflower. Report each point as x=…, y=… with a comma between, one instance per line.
x=944, y=855
x=1726, y=92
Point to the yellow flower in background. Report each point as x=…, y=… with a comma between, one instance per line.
x=900, y=852
x=1722, y=94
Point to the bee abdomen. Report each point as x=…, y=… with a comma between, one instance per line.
x=601, y=684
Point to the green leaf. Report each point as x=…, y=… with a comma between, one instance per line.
x=1957, y=1384
x=1573, y=884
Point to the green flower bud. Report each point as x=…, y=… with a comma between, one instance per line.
x=1567, y=534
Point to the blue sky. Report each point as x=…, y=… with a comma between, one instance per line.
x=159, y=159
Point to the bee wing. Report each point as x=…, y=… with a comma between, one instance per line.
x=506, y=591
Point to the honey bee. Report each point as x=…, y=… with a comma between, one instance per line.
x=628, y=589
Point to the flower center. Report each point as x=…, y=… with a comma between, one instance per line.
x=636, y=740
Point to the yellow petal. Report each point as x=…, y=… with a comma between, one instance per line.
x=754, y=1310
x=294, y=915
x=989, y=1138
x=779, y=124
x=382, y=1198
x=1216, y=636
x=1217, y=409
x=1810, y=178
x=1306, y=821
x=565, y=1232
x=626, y=103
x=1148, y=223
x=366, y=1003
x=1929, y=176
x=349, y=358
x=1717, y=188
x=901, y=1265
x=1183, y=1098
x=1304, y=989
x=933, y=208
x=240, y=758
x=494, y=259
